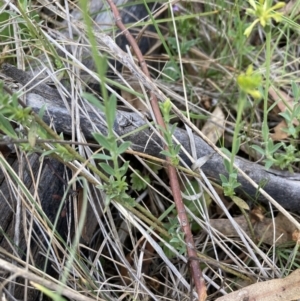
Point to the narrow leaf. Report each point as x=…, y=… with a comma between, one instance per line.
x=102, y=157
x=123, y=147
x=166, y=153
x=124, y=168
x=93, y=100
x=42, y=111
x=109, y=170
x=102, y=140
x=223, y=179
x=7, y=128
x=32, y=134
x=258, y=149
x=110, y=112
x=240, y=202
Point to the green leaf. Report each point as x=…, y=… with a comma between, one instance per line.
x=223, y=178
x=108, y=169
x=110, y=112
x=296, y=109
x=172, y=128
x=124, y=168
x=187, y=45
x=102, y=140
x=32, y=134
x=286, y=115
x=171, y=71
x=23, y=4
x=154, y=167
x=123, y=147
x=258, y=149
x=103, y=69
x=14, y=100
x=49, y=152
x=7, y=128
x=275, y=147
x=268, y=163
x=174, y=240
x=235, y=185
x=102, y=157
x=240, y=202
x=265, y=131
x=168, y=138
x=94, y=101
x=227, y=165
x=295, y=90
x=166, y=153
x=166, y=107
x=236, y=146
x=138, y=181
x=177, y=149
x=226, y=152
x=42, y=111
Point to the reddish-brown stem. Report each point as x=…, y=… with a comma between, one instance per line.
x=174, y=182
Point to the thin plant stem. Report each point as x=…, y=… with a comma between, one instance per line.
x=235, y=142
x=267, y=82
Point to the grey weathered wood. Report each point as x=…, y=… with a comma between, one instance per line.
x=49, y=185
x=284, y=190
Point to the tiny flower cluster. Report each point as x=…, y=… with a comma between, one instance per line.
x=249, y=82
x=263, y=13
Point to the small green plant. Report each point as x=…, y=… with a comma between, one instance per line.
x=117, y=186
x=185, y=45
x=229, y=183
x=193, y=197
x=177, y=237
x=292, y=114
x=173, y=150
x=138, y=181
x=264, y=12
x=249, y=83
x=61, y=151
x=12, y=111
x=269, y=150
x=288, y=155
x=281, y=154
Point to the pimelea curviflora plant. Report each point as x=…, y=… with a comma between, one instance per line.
x=264, y=13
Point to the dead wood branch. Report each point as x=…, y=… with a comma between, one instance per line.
x=285, y=190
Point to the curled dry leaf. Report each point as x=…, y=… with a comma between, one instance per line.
x=279, y=133
x=257, y=214
x=263, y=230
x=296, y=236
x=273, y=290
x=282, y=100
x=214, y=126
